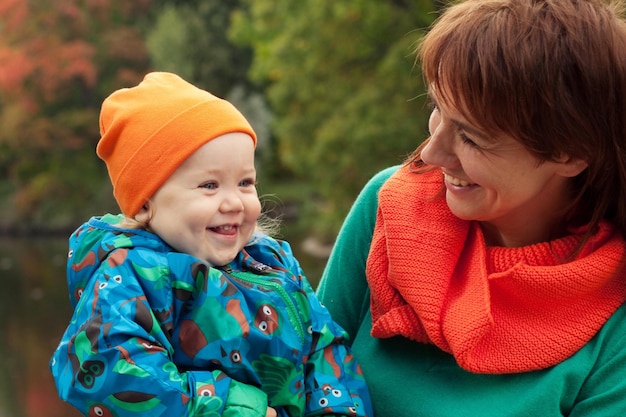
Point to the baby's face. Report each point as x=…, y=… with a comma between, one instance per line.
x=209, y=206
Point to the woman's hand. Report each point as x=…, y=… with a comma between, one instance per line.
x=270, y=412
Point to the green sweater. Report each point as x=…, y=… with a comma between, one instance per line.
x=409, y=379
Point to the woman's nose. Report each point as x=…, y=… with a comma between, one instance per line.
x=439, y=150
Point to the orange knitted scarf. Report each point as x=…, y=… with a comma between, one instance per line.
x=496, y=309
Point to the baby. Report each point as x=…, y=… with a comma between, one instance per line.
x=182, y=307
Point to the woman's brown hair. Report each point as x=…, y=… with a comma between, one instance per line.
x=550, y=73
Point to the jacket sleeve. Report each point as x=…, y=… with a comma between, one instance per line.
x=116, y=360
x=334, y=382
x=343, y=288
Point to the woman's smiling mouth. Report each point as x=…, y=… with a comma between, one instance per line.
x=455, y=181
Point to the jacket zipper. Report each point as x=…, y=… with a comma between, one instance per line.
x=292, y=311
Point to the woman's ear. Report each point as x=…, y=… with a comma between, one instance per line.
x=570, y=167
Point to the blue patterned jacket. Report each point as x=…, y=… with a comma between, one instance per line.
x=160, y=333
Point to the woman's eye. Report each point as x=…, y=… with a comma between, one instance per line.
x=467, y=140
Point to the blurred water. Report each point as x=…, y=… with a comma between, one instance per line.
x=34, y=310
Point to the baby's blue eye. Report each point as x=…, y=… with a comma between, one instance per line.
x=247, y=183
x=209, y=185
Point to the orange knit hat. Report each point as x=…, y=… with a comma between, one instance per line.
x=148, y=131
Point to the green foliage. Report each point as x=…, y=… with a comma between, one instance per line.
x=341, y=81
x=168, y=43
x=190, y=39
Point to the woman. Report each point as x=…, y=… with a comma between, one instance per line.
x=486, y=276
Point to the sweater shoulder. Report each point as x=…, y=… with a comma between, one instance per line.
x=366, y=202
x=377, y=180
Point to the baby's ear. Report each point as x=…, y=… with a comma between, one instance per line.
x=143, y=215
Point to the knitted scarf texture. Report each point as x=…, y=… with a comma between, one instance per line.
x=495, y=309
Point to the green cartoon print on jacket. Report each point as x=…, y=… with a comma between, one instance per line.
x=159, y=333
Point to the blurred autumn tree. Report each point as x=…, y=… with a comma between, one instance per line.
x=59, y=59
x=345, y=98
x=341, y=82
